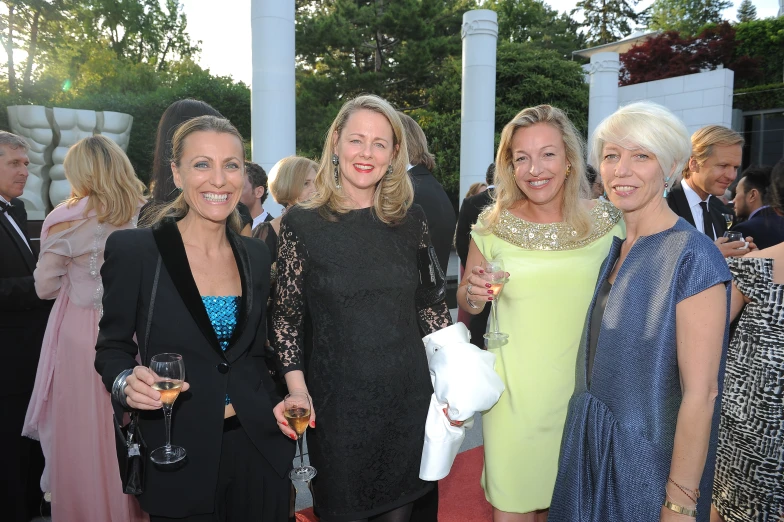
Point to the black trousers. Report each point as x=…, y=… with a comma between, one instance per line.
x=21, y=463
x=248, y=488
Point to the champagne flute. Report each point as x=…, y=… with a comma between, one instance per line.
x=169, y=371
x=496, y=276
x=728, y=219
x=296, y=409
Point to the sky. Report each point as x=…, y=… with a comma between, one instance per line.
x=226, y=43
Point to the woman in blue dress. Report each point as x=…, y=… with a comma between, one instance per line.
x=639, y=442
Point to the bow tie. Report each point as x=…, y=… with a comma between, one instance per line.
x=11, y=210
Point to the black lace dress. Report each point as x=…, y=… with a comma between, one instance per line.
x=368, y=373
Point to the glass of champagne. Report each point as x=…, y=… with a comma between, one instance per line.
x=728, y=219
x=296, y=409
x=496, y=276
x=169, y=371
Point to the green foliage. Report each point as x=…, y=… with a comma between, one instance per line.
x=746, y=11
x=764, y=40
x=607, y=20
x=687, y=17
x=759, y=98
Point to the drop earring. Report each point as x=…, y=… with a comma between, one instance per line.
x=568, y=170
x=337, y=171
x=390, y=170
x=666, y=186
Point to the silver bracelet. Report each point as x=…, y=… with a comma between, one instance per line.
x=118, y=388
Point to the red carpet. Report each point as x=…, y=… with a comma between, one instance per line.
x=460, y=497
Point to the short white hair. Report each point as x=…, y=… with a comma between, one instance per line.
x=648, y=126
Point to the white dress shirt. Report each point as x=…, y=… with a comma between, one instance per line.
x=258, y=220
x=13, y=224
x=694, y=200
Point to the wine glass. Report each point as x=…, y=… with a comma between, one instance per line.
x=296, y=409
x=496, y=276
x=169, y=372
x=736, y=236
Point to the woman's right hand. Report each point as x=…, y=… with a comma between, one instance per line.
x=283, y=424
x=478, y=286
x=139, y=392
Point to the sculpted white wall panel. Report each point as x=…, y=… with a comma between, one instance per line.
x=32, y=123
x=73, y=125
x=116, y=126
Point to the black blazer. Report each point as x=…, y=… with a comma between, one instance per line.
x=23, y=315
x=180, y=324
x=440, y=214
x=469, y=214
x=766, y=227
x=680, y=205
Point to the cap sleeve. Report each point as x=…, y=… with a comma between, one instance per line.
x=701, y=267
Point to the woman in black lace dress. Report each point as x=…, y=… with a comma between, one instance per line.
x=349, y=256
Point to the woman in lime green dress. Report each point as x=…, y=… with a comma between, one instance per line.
x=552, y=243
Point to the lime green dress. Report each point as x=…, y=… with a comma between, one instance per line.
x=542, y=307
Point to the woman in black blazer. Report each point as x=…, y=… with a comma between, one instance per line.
x=237, y=460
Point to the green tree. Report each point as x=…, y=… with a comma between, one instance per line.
x=763, y=40
x=687, y=17
x=746, y=11
x=607, y=20
x=535, y=22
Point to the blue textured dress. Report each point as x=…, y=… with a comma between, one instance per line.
x=618, y=438
x=223, y=312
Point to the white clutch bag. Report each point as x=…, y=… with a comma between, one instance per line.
x=464, y=382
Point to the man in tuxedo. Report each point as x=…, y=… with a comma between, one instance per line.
x=23, y=319
x=254, y=193
x=469, y=214
x=752, y=203
x=716, y=153
x=428, y=192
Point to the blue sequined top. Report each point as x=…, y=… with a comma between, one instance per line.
x=223, y=312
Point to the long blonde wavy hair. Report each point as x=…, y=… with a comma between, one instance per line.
x=97, y=167
x=179, y=207
x=576, y=186
x=394, y=193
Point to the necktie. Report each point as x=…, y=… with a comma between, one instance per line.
x=707, y=222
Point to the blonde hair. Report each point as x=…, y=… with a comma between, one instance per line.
x=97, y=167
x=394, y=193
x=287, y=178
x=648, y=126
x=704, y=139
x=474, y=189
x=178, y=208
x=417, y=143
x=507, y=193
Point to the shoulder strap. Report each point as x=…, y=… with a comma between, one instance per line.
x=152, y=305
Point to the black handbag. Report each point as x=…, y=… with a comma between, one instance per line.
x=129, y=442
x=432, y=282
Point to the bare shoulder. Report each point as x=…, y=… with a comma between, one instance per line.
x=774, y=252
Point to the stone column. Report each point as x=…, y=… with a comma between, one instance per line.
x=603, y=98
x=273, y=123
x=477, y=124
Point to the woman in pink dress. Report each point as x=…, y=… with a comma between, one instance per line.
x=77, y=437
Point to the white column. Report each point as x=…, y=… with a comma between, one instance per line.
x=603, y=98
x=477, y=126
x=273, y=125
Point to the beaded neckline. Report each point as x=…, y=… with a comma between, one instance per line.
x=553, y=236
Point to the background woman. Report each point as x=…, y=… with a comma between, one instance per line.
x=552, y=243
x=475, y=189
x=640, y=437
x=749, y=483
x=81, y=464
x=349, y=255
x=237, y=467
x=162, y=183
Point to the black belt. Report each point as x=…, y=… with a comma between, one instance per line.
x=231, y=423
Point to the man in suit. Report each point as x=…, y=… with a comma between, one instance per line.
x=23, y=318
x=428, y=192
x=254, y=193
x=716, y=153
x=469, y=214
x=752, y=203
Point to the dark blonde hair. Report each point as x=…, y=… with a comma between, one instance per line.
x=704, y=139
x=97, y=167
x=576, y=186
x=178, y=208
x=287, y=178
x=394, y=193
x=417, y=143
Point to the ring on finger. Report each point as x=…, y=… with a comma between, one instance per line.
x=469, y=287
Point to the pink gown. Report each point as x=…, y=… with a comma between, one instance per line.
x=70, y=410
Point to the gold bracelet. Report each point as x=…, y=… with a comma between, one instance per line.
x=680, y=509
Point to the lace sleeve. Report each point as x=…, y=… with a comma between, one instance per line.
x=435, y=317
x=288, y=321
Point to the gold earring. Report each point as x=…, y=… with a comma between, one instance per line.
x=568, y=170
